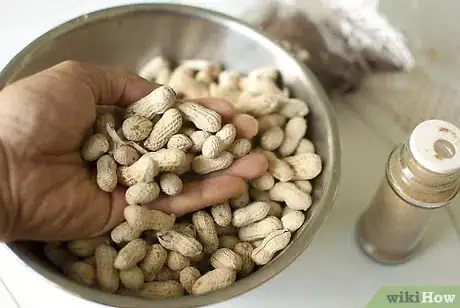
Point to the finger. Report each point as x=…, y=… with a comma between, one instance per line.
x=108, y=85
x=104, y=213
x=246, y=126
x=117, y=208
x=223, y=107
x=248, y=167
x=200, y=194
x=66, y=213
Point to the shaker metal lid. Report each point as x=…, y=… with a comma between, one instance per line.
x=435, y=145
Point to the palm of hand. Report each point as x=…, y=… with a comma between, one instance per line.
x=43, y=121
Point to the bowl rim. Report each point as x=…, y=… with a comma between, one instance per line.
x=262, y=275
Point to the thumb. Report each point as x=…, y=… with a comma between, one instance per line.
x=107, y=85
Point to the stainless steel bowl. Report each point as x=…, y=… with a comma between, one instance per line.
x=130, y=35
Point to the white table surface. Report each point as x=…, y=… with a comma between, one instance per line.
x=332, y=272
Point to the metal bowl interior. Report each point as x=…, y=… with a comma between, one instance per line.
x=130, y=35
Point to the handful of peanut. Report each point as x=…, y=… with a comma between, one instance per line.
x=165, y=136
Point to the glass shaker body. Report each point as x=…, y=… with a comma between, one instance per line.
x=391, y=228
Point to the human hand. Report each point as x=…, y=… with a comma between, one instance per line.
x=47, y=193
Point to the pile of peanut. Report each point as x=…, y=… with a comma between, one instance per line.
x=165, y=136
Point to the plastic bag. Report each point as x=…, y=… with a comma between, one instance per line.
x=340, y=40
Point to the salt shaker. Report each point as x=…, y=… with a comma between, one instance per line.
x=422, y=175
